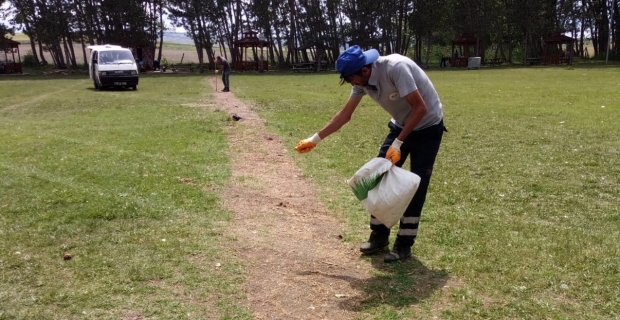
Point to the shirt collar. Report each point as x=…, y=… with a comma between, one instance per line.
x=374, y=75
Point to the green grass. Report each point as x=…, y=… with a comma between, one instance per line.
x=19, y=36
x=127, y=183
x=522, y=218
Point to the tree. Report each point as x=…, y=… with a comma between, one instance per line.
x=4, y=29
x=389, y=26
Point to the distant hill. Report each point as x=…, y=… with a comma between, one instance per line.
x=177, y=37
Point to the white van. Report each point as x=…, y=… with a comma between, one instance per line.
x=112, y=66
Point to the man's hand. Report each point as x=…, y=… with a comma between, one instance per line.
x=306, y=145
x=393, y=153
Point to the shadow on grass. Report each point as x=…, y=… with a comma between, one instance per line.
x=117, y=89
x=397, y=284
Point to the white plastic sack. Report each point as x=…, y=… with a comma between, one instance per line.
x=384, y=190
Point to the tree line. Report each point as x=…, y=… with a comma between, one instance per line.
x=409, y=27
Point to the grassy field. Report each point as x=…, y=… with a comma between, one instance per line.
x=127, y=183
x=20, y=37
x=522, y=216
x=522, y=219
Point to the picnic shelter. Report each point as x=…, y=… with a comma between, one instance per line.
x=252, y=61
x=465, y=46
x=310, y=57
x=558, y=49
x=9, y=62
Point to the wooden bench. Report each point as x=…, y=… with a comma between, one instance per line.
x=307, y=66
x=533, y=61
x=310, y=66
x=493, y=61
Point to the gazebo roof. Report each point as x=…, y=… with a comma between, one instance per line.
x=465, y=39
x=9, y=43
x=250, y=42
x=558, y=38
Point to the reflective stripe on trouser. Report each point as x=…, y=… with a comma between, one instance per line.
x=422, y=146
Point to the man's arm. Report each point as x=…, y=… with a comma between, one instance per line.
x=418, y=111
x=418, y=105
x=340, y=119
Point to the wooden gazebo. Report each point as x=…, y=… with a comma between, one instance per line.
x=464, y=47
x=310, y=57
x=554, y=53
x=10, y=64
x=257, y=61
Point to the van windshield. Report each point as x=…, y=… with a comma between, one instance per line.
x=115, y=57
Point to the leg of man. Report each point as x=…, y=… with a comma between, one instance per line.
x=422, y=146
x=226, y=80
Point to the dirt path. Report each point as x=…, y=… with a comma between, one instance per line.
x=298, y=266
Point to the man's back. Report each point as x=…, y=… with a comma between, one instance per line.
x=225, y=65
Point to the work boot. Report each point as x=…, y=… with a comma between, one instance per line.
x=399, y=252
x=375, y=243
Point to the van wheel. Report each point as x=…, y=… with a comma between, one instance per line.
x=96, y=85
x=134, y=88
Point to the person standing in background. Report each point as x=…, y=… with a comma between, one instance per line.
x=224, y=68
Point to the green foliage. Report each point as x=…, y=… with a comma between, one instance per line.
x=28, y=60
x=164, y=63
x=404, y=27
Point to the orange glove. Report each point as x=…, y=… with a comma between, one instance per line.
x=393, y=153
x=307, y=145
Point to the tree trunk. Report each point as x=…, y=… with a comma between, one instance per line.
x=428, y=50
x=43, y=60
x=33, y=45
x=161, y=31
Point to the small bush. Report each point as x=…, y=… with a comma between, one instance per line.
x=29, y=61
x=164, y=63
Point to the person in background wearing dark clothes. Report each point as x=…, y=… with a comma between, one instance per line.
x=224, y=68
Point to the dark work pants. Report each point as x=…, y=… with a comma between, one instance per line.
x=226, y=79
x=422, y=147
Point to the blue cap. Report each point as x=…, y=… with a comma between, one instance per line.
x=354, y=59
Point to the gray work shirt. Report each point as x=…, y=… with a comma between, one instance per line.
x=392, y=78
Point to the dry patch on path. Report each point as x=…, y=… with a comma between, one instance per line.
x=299, y=268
